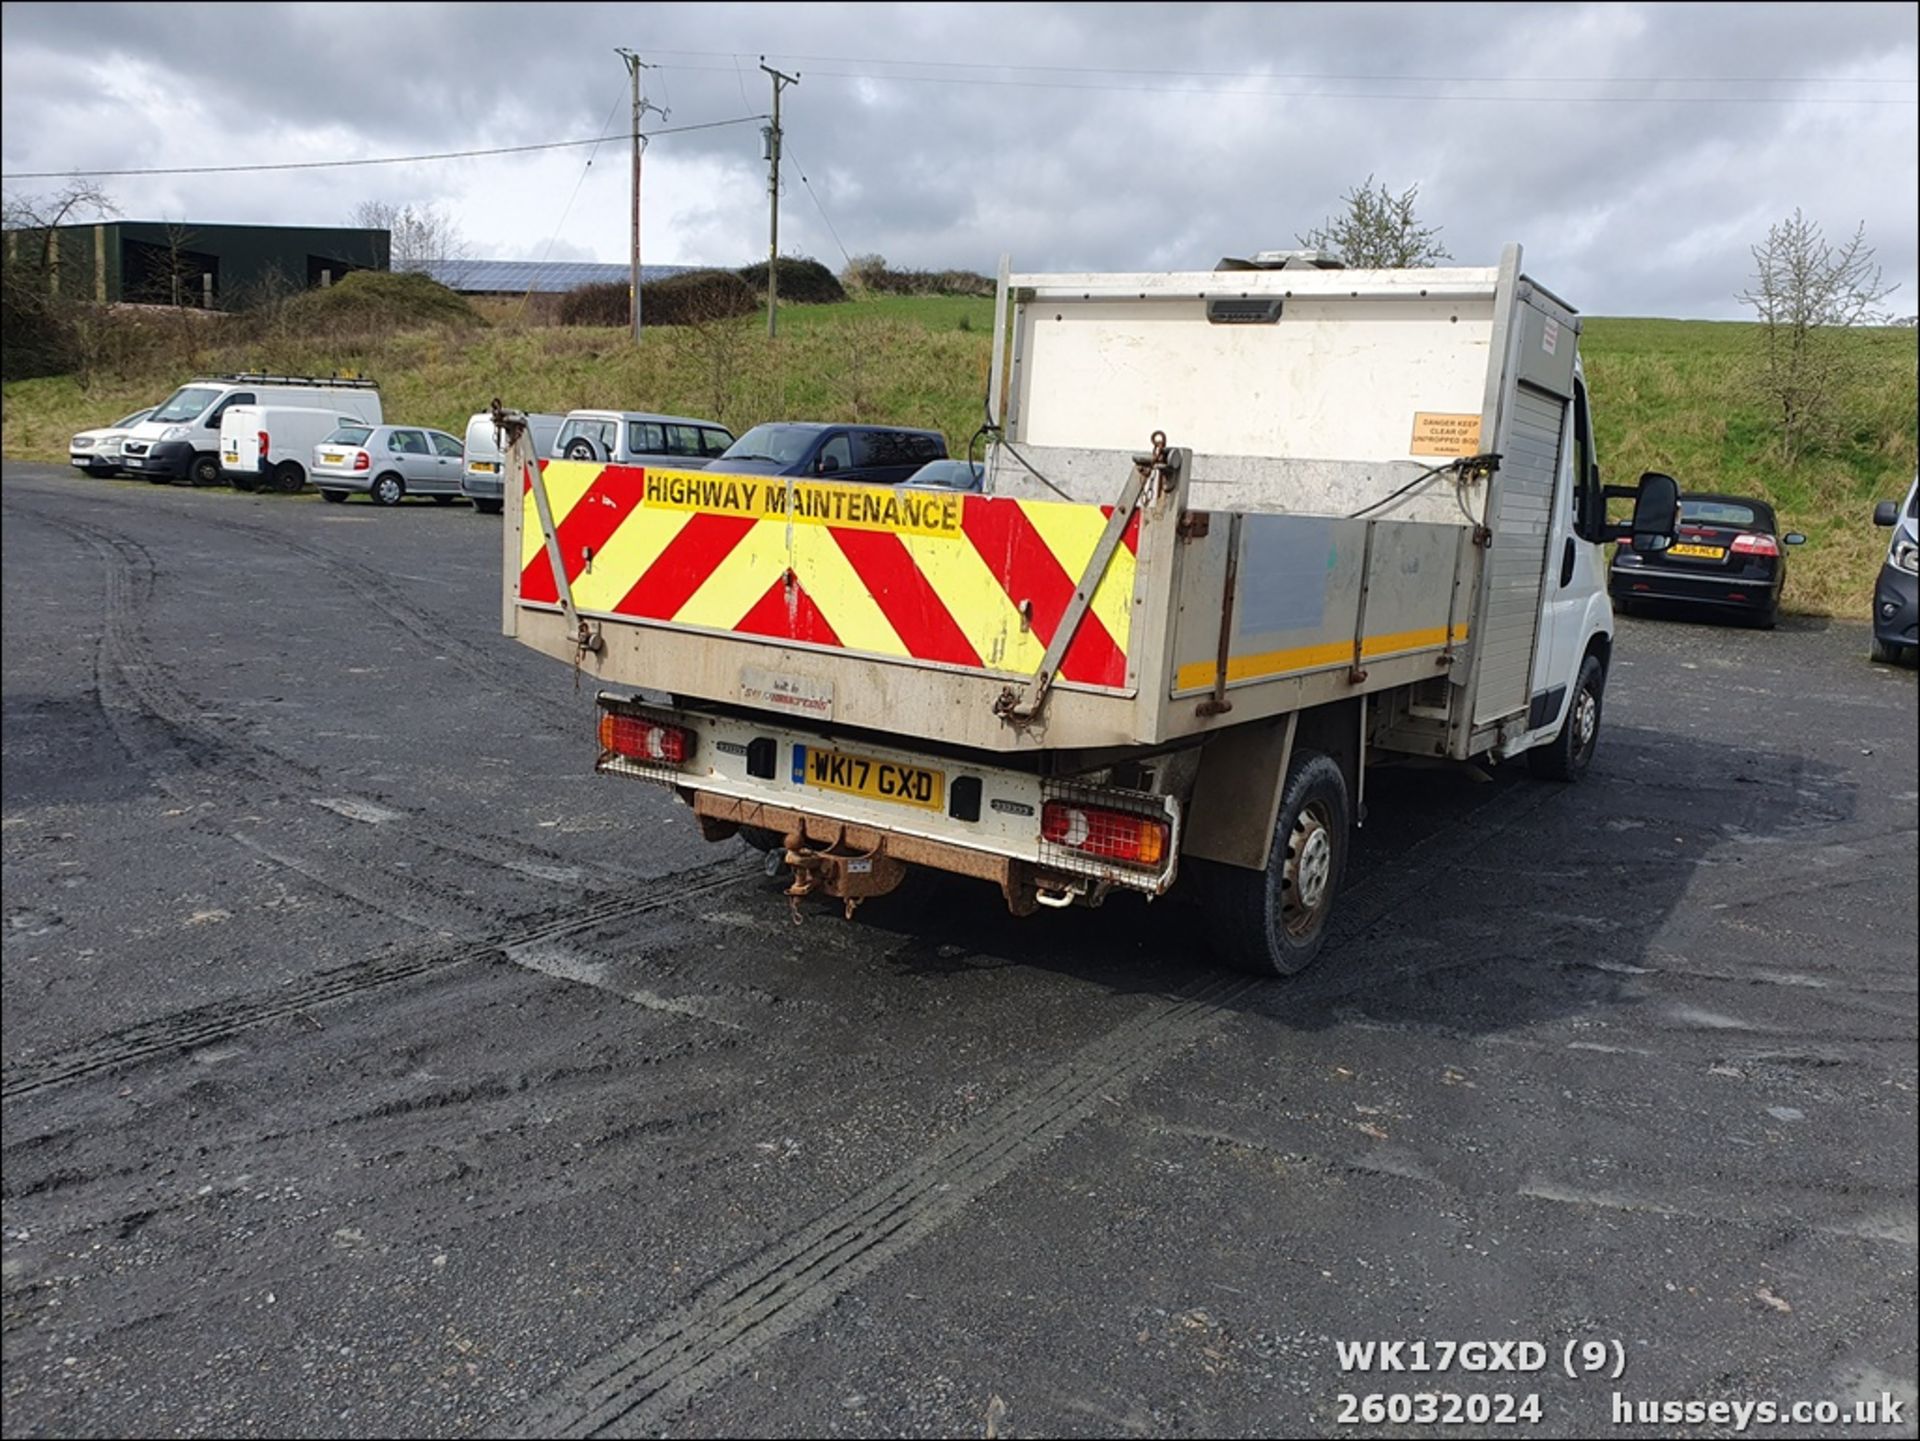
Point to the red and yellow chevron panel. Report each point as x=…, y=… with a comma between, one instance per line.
x=974, y=581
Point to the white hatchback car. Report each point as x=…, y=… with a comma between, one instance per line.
x=97, y=452
x=386, y=463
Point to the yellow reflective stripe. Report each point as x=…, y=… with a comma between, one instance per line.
x=627, y=555
x=735, y=584
x=1071, y=532
x=1198, y=675
x=976, y=602
x=567, y=481
x=835, y=587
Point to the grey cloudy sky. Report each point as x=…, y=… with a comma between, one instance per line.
x=1636, y=150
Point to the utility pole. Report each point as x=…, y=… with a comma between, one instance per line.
x=780, y=82
x=640, y=107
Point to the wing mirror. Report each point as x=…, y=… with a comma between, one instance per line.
x=1886, y=513
x=1656, y=512
x=1793, y=537
x=825, y=465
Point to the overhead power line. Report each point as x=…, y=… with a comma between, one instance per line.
x=372, y=160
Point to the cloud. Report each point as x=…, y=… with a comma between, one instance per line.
x=1637, y=150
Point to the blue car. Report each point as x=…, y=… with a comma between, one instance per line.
x=876, y=454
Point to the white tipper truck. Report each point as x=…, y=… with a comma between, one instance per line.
x=1244, y=533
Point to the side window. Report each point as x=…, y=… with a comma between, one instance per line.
x=1589, y=499
x=407, y=442
x=924, y=448
x=684, y=440
x=644, y=438
x=714, y=442
x=445, y=444
x=239, y=397
x=836, y=454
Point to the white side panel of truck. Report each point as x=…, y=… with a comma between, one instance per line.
x=1517, y=558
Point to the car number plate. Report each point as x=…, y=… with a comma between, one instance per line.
x=331, y=457
x=1704, y=552
x=488, y=466
x=858, y=775
x=231, y=457
x=81, y=461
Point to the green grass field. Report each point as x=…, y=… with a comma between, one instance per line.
x=1667, y=394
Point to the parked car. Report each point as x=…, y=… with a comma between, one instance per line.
x=633, y=437
x=97, y=452
x=481, y=479
x=1896, y=595
x=267, y=447
x=1729, y=557
x=181, y=439
x=387, y=463
x=881, y=454
x=948, y=475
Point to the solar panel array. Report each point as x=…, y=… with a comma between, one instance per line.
x=542, y=277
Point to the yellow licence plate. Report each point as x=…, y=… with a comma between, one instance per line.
x=331, y=457
x=486, y=465
x=1705, y=552
x=858, y=775
x=232, y=457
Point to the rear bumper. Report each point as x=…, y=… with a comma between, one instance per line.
x=479, y=485
x=744, y=771
x=357, y=481
x=1723, y=592
x=1896, y=607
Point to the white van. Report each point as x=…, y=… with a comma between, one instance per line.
x=480, y=479
x=267, y=447
x=181, y=439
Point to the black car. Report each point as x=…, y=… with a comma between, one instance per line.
x=1896, y=594
x=881, y=454
x=1729, y=556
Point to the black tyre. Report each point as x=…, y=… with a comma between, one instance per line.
x=335, y=497
x=1567, y=756
x=204, y=469
x=487, y=507
x=158, y=478
x=1272, y=922
x=445, y=499
x=1886, y=652
x=289, y=478
x=245, y=482
x=387, y=489
x=580, y=448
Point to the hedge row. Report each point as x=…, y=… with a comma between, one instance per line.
x=701, y=296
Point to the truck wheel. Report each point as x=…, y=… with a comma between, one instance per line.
x=387, y=490
x=204, y=469
x=1567, y=756
x=289, y=478
x=1273, y=922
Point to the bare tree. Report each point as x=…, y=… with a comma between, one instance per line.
x=1804, y=292
x=421, y=237
x=38, y=313
x=1378, y=230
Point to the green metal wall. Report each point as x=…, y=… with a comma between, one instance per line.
x=140, y=260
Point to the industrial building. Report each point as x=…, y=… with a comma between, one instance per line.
x=219, y=267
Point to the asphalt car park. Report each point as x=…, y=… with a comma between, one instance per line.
x=372, y=1067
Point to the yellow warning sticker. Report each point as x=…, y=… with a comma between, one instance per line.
x=764, y=497
x=1438, y=434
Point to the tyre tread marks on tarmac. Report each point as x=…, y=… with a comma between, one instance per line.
x=202, y=1025
x=221, y=752
x=643, y=1382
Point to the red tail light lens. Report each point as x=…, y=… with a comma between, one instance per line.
x=639, y=739
x=263, y=445
x=362, y=461
x=1112, y=835
x=1755, y=545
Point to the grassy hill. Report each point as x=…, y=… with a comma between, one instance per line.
x=1668, y=395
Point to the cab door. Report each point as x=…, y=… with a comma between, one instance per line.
x=1573, y=567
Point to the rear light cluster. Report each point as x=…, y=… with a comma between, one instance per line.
x=1755, y=545
x=1111, y=835
x=637, y=739
x=263, y=445
x=362, y=461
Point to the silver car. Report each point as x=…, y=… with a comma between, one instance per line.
x=97, y=452
x=638, y=437
x=386, y=463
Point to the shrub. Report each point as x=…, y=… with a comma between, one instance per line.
x=604, y=302
x=804, y=282
x=698, y=297
x=376, y=302
x=872, y=274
